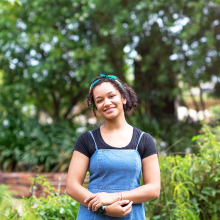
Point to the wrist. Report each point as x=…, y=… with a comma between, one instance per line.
x=107, y=210
x=117, y=196
x=120, y=196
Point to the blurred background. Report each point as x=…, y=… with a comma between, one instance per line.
x=50, y=51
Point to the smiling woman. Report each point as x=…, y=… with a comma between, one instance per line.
x=109, y=104
x=115, y=154
x=124, y=90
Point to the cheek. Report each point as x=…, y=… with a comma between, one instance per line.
x=98, y=106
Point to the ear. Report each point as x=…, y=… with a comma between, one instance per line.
x=124, y=101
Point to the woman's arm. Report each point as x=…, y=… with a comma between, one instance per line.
x=151, y=176
x=150, y=190
x=75, y=178
x=76, y=175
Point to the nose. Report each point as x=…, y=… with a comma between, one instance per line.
x=107, y=102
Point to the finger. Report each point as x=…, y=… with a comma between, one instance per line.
x=128, y=206
x=98, y=205
x=91, y=203
x=94, y=205
x=127, y=212
x=89, y=198
x=123, y=202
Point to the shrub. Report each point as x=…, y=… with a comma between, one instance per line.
x=51, y=206
x=25, y=144
x=190, y=185
x=7, y=212
x=190, y=188
x=168, y=132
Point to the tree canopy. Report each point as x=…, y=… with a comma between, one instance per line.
x=51, y=50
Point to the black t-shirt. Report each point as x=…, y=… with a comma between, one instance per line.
x=85, y=143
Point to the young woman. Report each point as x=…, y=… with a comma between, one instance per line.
x=115, y=154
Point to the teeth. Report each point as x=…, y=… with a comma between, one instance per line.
x=108, y=109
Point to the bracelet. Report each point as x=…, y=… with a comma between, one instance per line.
x=120, y=196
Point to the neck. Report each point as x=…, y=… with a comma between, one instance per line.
x=115, y=124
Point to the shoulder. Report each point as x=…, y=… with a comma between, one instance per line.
x=87, y=136
x=149, y=139
x=83, y=137
x=82, y=141
x=85, y=143
x=147, y=144
x=145, y=136
x=95, y=131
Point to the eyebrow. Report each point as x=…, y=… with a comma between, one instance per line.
x=107, y=94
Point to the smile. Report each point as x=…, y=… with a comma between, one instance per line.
x=109, y=109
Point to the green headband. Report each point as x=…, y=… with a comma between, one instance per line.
x=107, y=77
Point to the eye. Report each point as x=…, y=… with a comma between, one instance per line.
x=99, y=101
x=111, y=96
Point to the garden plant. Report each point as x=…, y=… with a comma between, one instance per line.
x=190, y=188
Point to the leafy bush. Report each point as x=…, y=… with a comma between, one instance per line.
x=168, y=132
x=215, y=110
x=25, y=144
x=190, y=184
x=7, y=212
x=51, y=206
x=190, y=188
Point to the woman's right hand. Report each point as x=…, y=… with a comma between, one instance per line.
x=116, y=209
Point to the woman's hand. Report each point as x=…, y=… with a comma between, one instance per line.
x=99, y=199
x=116, y=209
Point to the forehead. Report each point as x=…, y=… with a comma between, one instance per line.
x=104, y=88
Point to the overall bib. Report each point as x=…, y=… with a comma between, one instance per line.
x=114, y=170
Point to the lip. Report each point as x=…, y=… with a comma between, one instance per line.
x=109, y=109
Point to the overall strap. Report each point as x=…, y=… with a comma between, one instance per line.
x=93, y=140
x=139, y=140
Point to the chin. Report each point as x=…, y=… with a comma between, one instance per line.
x=111, y=116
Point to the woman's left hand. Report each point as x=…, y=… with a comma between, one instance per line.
x=99, y=199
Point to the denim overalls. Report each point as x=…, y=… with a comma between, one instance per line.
x=114, y=170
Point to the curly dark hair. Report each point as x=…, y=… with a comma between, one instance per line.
x=127, y=93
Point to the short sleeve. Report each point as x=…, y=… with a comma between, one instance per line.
x=147, y=146
x=81, y=144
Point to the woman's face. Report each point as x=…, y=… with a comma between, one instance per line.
x=108, y=100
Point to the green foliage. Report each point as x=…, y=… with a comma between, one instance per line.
x=13, y=2
x=215, y=110
x=7, y=212
x=190, y=188
x=216, y=92
x=190, y=184
x=52, y=50
x=25, y=144
x=51, y=206
x=171, y=136
x=46, y=55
